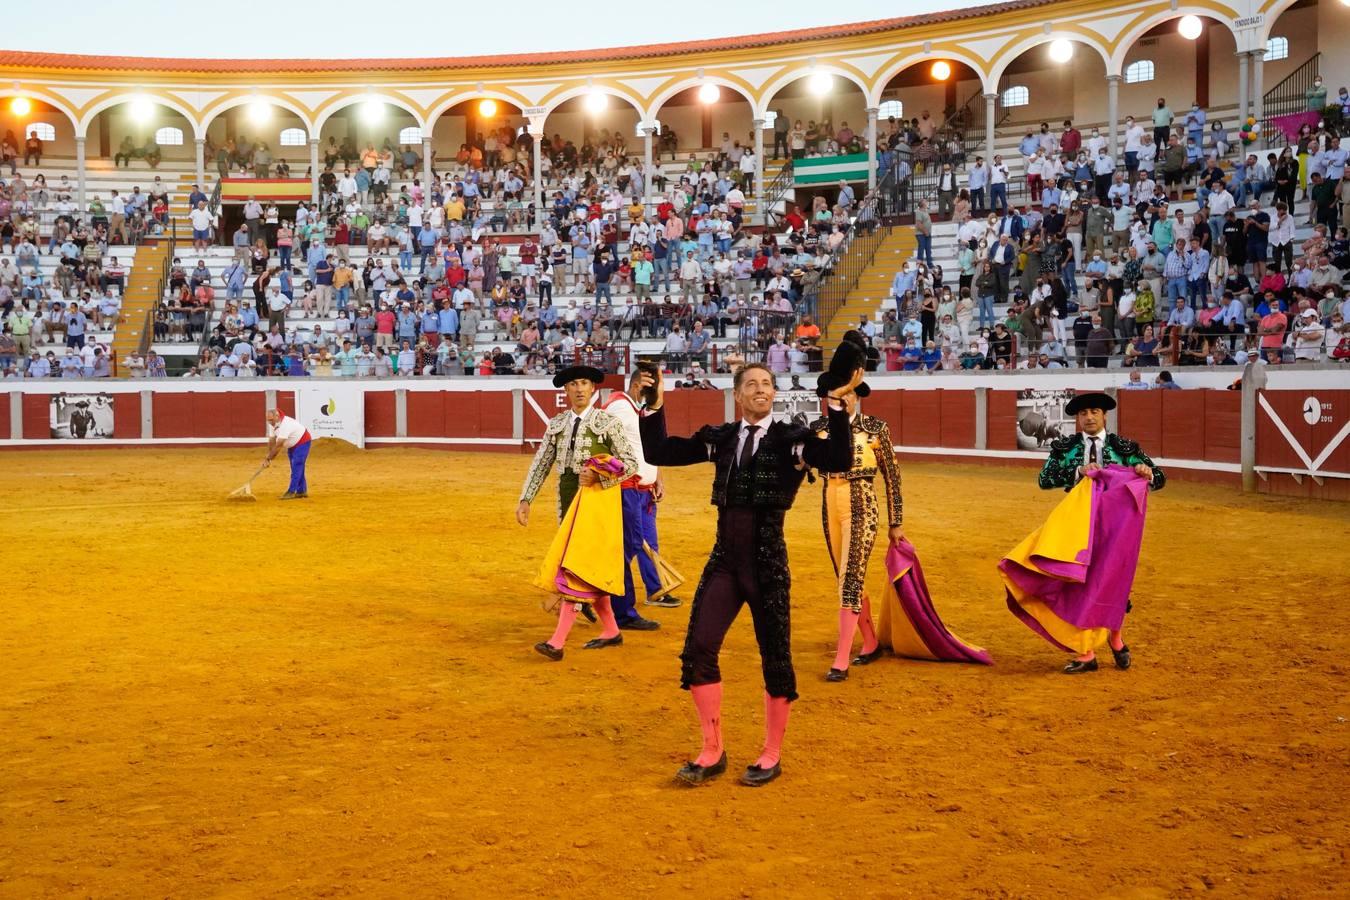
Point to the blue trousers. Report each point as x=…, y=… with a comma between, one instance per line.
x=924, y=251
x=297, y=455
x=639, y=525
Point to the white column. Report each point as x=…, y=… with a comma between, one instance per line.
x=648, y=169
x=314, y=170
x=871, y=148
x=426, y=167
x=1113, y=114
x=201, y=161
x=990, y=102
x=79, y=178
x=1244, y=83
x=1258, y=83
x=761, y=202
x=538, y=143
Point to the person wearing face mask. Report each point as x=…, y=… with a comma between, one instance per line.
x=1095, y=142
x=1315, y=97
x=1070, y=580
x=1098, y=223
x=1162, y=123
x=1195, y=125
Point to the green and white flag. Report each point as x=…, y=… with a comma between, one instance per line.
x=830, y=169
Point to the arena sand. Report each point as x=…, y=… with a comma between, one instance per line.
x=339, y=697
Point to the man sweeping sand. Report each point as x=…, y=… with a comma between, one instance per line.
x=283, y=431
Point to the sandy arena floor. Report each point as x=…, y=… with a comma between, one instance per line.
x=339, y=697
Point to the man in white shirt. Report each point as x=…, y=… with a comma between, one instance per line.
x=640, y=494
x=284, y=431
x=1282, y=239
x=201, y=226
x=1134, y=140
x=1309, y=336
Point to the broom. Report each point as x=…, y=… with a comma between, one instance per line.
x=245, y=491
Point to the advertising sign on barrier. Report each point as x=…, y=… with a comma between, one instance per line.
x=1041, y=417
x=82, y=417
x=333, y=410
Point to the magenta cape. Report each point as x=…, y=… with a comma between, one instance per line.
x=1070, y=580
x=908, y=623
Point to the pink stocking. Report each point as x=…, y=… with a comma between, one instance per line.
x=869, y=632
x=775, y=725
x=848, y=624
x=708, y=702
x=1117, y=641
x=610, y=628
x=567, y=614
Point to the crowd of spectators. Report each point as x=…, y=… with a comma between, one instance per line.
x=1100, y=263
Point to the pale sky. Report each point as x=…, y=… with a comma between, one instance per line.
x=341, y=29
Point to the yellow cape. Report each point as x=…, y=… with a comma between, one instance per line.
x=588, y=549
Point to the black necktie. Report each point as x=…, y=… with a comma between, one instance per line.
x=749, y=449
x=572, y=444
x=1092, y=451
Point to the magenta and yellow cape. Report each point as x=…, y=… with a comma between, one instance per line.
x=585, y=560
x=908, y=623
x=1070, y=580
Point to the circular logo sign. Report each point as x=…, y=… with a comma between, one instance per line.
x=1312, y=411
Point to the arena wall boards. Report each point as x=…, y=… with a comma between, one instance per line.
x=1300, y=424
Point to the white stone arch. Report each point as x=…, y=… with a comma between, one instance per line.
x=454, y=99
x=1272, y=15
x=920, y=58
x=342, y=103
x=684, y=84
x=1012, y=53
x=1116, y=65
x=82, y=129
x=54, y=102
x=210, y=114
x=806, y=71
x=582, y=89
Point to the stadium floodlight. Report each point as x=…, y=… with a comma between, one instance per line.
x=1061, y=50
x=372, y=111
x=141, y=109
x=942, y=70
x=597, y=100
x=1190, y=27
x=259, y=111
x=709, y=93
x=21, y=106
x=487, y=108
x=820, y=83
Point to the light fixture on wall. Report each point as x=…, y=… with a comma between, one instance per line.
x=1190, y=27
x=259, y=111
x=942, y=70
x=1061, y=50
x=597, y=101
x=820, y=83
x=487, y=108
x=372, y=111
x=21, y=106
x=141, y=109
x=709, y=93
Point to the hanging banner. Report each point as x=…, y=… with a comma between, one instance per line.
x=829, y=169
x=334, y=410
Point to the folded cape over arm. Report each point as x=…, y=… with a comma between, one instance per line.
x=585, y=560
